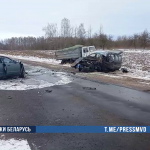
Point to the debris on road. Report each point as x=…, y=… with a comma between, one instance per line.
x=89, y=88
x=73, y=73
x=9, y=97
x=124, y=70
x=48, y=91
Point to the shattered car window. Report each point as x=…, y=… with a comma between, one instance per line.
x=111, y=58
x=92, y=55
x=120, y=58
x=116, y=58
x=6, y=60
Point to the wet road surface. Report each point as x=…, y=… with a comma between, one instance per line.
x=74, y=104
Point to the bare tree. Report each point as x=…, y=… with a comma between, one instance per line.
x=103, y=39
x=144, y=39
x=81, y=33
x=89, y=32
x=51, y=30
x=135, y=40
x=66, y=30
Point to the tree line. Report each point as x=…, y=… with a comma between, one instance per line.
x=68, y=36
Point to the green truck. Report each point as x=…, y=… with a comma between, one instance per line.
x=69, y=55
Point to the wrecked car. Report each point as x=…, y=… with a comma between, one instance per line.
x=11, y=68
x=102, y=60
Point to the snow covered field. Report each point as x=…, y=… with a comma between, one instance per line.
x=37, y=77
x=37, y=59
x=137, y=59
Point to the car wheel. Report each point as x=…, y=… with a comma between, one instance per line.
x=22, y=72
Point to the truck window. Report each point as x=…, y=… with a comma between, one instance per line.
x=85, y=50
x=92, y=48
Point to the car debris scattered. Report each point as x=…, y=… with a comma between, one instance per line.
x=124, y=70
x=9, y=97
x=48, y=91
x=89, y=88
x=109, y=60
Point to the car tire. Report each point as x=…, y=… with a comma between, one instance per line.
x=22, y=72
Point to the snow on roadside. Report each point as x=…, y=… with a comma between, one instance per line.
x=13, y=144
x=37, y=77
x=37, y=59
x=118, y=74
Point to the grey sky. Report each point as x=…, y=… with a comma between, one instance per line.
x=118, y=17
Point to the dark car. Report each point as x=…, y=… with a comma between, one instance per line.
x=11, y=68
x=100, y=60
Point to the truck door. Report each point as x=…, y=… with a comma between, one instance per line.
x=84, y=51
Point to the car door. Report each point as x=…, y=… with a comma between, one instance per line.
x=13, y=67
x=1, y=69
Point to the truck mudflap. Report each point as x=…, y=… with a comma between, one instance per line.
x=76, y=62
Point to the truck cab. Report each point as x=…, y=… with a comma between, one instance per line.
x=87, y=50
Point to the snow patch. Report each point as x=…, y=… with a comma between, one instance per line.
x=37, y=59
x=13, y=144
x=37, y=77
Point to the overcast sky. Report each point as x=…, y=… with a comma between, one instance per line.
x=118, y=17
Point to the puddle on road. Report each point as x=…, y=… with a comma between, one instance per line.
x=37, y=77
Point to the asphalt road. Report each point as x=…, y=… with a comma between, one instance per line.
x=72, y=104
